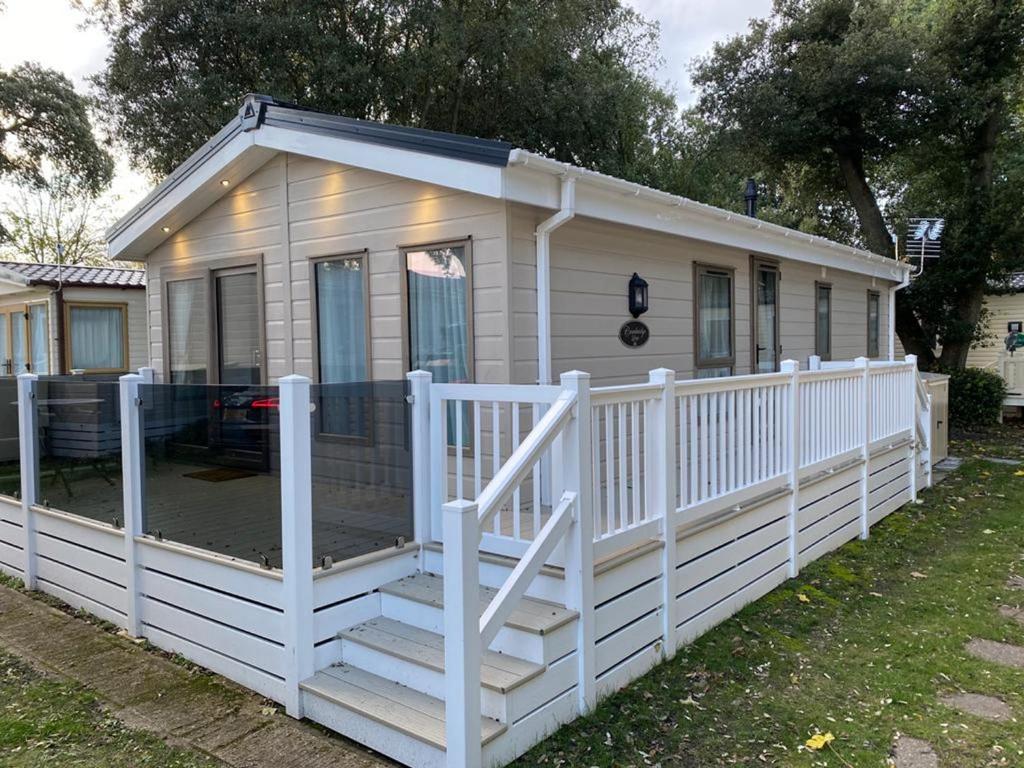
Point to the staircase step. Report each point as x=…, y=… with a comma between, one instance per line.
x=530, y=615
x=499, y=671
x=390, y=704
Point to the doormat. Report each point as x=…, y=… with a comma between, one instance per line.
x=220, y=474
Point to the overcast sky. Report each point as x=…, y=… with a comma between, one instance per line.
x=50, y=32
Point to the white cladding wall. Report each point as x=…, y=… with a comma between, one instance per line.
x=592, y=262
x=1001, y=310
x=335, y=210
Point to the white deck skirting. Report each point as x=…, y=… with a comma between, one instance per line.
x=606, y=529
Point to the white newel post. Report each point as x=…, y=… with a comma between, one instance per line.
x=28, y=442
x=296, y=536
x=419, y=394
x=131, y=471
x=462, y=651
x=911, y=377
x=865, y=471
x=814, y=363
x=792, y=367
x=661, y=483
x=577, y=475
x=148, y=375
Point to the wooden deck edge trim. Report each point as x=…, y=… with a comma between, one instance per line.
x=555, y=572
x=622, y=557
x=692, y=527
x=368, y=558
x=85, y=522
x=211, y=557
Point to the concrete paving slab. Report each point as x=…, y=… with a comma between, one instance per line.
x=914, y=753
x=1012, y=612
x=1000, y=653
x=186, y=707
x=979, y=705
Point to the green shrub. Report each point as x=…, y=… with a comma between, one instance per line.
x=975, y=397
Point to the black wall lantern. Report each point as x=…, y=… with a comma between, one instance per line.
x=637, y=295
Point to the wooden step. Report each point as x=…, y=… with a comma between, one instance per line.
x=499, y=671
x=390, y=704
x=530, y=615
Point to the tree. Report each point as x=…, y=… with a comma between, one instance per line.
x=571, y=79
x=43, y=120
x=54, y=222
x=883, y=106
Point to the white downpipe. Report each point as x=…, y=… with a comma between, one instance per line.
x=566, y=212
x=892, y=315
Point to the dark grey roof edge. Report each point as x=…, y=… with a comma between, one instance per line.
x=259, y=109
x=99, y=276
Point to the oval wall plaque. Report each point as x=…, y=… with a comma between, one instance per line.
x=634, y=333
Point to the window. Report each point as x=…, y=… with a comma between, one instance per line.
x=97, y=337
x=187, y=331
x=823, y=320
x=715, y=322
x=340, y=292
x=39, y=338
x=440, y=312
x=874, y=322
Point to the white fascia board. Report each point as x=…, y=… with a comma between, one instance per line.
x=189, y=197
x=448, y=172
x=12, y=280
x=537, y=182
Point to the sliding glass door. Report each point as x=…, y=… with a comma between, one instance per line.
x=239, y=351
x=24, y=339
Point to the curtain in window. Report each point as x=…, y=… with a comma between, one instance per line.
x=5, y=352
x=341, y=342
x=439, y=320
x=341, y=321
x=19, y=331
x=715, y=301
x=97, y=338
x=187, y=331
x=823, y=340
x=39, y=335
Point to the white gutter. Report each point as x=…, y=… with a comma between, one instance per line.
x=566, y=211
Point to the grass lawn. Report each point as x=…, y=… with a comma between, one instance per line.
x=860, y=645
x=45, y=722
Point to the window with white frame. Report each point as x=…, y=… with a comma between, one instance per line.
x=97, y=337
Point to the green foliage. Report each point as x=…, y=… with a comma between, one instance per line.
x=862, y=113
x=43, y=120
x=571, y=79
x=975, y=397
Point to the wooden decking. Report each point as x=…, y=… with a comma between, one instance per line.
x=239, y=517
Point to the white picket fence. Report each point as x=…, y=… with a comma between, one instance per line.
x=740, y=481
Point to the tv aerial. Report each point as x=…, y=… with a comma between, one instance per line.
x=923, y=241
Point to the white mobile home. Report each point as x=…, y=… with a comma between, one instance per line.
x=1002, y=348
x=450, y=561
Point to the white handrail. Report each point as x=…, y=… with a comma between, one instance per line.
x=521, y=462
x=526, y=569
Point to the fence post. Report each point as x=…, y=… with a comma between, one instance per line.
x=911, y=361
x=792, y=367
x=661, y=482
x=814, y=363
x=148, y=375
x=131, y=471
x=865, y=470
x=577, y=475
x=462, y=651
x=28, y=447
x=296, y=536
x=419, y=394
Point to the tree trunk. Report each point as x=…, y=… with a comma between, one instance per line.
x=876, y=235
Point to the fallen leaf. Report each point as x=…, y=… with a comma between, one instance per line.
x=803, y=598
x=819, y=740
x=918, y=575
x=988, y=531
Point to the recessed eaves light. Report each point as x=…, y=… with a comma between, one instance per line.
x=165, y=229
x=225, y=183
